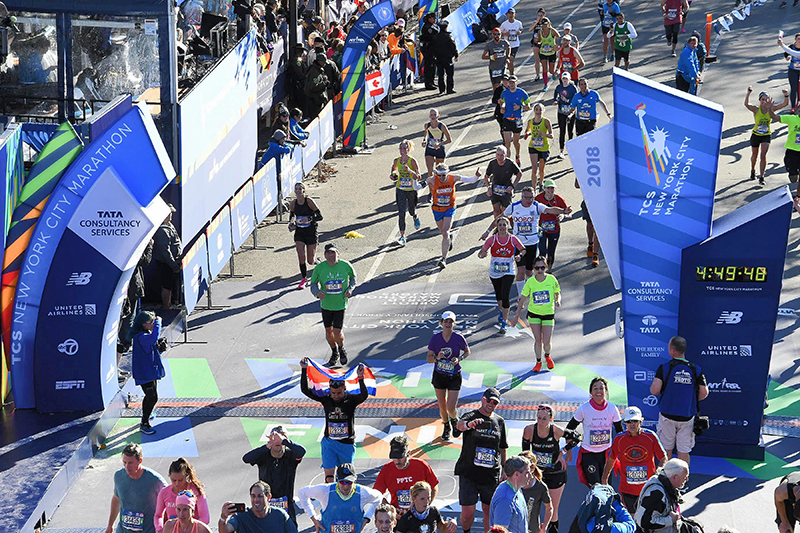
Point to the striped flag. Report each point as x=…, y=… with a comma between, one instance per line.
x=319, y=378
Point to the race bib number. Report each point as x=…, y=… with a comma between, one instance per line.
x=496, y=72
x=567, y=66
x=564, y=109
x=502, y=267
x=543, y=460
x=599, y=437
x=280, y=503
x=333, y=286
x=547, y=49
x=406, y=183
x=549, y=226
x=524, y=228
x=621, y=40
x=337, y=430
x=302, y=221
x=537, y=142
x=404, y=499
x=584, y=114
x=443, y=200
x=797, y=138
x=636, y=475
x=608, y=21
x=445, y=366
x=500, y=190
x=672, y=14
x=512, y=36
x=541, y=297
x=485, y=457
x=762, y=129
x=132, y=521
x=342, y=526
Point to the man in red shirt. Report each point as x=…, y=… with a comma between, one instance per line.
x=639, y=452
x=398, y=476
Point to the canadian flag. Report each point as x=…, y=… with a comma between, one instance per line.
x=374, y=83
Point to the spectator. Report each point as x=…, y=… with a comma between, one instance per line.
x=338, y=46
x=132, y=304
x=334, y=77
x=401, y=473
x=259, y=518
x=361, y=7
x=427, y=45
x=487, y=15
x=146, y=363
x=296, y=80
x=296, y=131
x=276, y=148
x=317, y=85
x=183, y=482
x=167, y=253
x=136, y=490
x=446, y=53
x=658, y=509
x=281, y=122
x=687, y=75
x=271, y=19
x=277, y=463
x=681, y=385
x=332, y=497
x=383, y=46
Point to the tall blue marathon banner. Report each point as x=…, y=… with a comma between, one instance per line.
x=218, y=121
x=728, y=309
x=265, y=190
x=194, y=269
x=667, y=148
x=74, y=279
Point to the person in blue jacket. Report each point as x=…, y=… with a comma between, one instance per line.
x=276, y=148
x=146, y=363
x=687, y=76
x=295, y=129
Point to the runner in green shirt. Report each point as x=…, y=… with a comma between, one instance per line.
x=622, y=32
x=542, y=294
x=333, y=283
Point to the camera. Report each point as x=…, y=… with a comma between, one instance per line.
x=701, y=423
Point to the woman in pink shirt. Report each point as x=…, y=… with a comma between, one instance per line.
x=184, y=479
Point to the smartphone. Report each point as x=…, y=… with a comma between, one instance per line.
x=237, y=507
x=486, y=424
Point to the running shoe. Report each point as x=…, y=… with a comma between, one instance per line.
x=446, y=431
x=401, y=241
x=517, y=161
x=442, y=264
x=499, y=317
x=456, y=431
x=302, y=283
x=537, y=78
x=334, y=357
x=761, y=181
x=146, y=429
x=503, y=327
x=538, y=367
x=549, y=361
x=673, y=54
x=417, y=223
x=450, y=248
x=595, y=261
x=752, y=174
x=605, y=59
x=589, y=251
x=342, y=355
x=683, y=30
x=544, y=89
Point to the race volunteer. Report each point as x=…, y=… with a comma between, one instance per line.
x=550, y=223
x=401, y=473
x=599, y=418
x=544, y=294
x=511, y=29
x=514, y=102
x=639, y=453
x=497, y=51
x=585, y=102
x=136, y=491
x=786, y=507
x=673, y=11
x=498, y=180
x=506, y=251
x=562, y=97
x=483, y=454
x=333, y=282
x=338, y=445
x=446, y=350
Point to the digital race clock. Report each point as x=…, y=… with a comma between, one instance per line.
x=731, y=274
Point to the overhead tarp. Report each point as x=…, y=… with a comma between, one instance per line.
x=93, y=7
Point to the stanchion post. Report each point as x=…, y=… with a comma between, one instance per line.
x=709, y=16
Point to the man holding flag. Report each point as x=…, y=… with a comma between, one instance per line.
x=338, y=445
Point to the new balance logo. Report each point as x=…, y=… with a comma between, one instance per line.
x=730, y=317
x=79, y=278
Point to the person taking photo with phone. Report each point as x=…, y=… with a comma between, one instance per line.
x=259, y=518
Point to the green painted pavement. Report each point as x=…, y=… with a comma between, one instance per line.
x=193, y=378
x=783, y=400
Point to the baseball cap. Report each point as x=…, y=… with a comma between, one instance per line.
x=549, y=183
x=632, y=413
x=496, y=30
x=444, y=23
x=321, y=57
x=449, y=314
x=401, y=23
x=513, y=77
x=185, y=498
x=345, y=472
x=441, y=168
x=567, y=26
x=492, y=394
x=331, y=247
x=279, y=135
x=511, y=10
x=565, y=75
x=398, y=450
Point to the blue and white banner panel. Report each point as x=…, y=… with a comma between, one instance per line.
x=271, y=77
x=462, y=19
x=242, y=207
x=220, y=246
x=194, y=268
x=728, y=310
x=85, y=246
x=592, y=156
x=667, y=147
x=291, y=170
x=311, y=155
x=265, y=190
x=327, y=133
x=219, y=137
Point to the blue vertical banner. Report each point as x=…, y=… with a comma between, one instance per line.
x=667, y=148
x=291, y=170
x=265, y=190
x=311, y=155
x=728, y=310
x=327, y=132
x=218, y=236
x=242, y=208
x=194, y=268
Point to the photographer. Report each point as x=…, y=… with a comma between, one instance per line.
x=681, y=385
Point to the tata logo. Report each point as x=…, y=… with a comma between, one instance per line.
x=730, y=317
x=70, y=384
x=650, y=401
x=68, y=347
x=109, y=214
x=655, y=145
x=79, y=278
x=650, y=321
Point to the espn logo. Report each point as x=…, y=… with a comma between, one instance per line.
x=70, y=384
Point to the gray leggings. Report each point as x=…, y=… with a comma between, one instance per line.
x=406, y=201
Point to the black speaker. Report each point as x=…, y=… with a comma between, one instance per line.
x=445, y=11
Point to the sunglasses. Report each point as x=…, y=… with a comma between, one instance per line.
x=187, y=493
x=345, y=482
x=545, y=408
x=492, y=402
x=539, y=268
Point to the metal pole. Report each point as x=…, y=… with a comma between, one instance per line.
x=168, y=72
x=66, y=90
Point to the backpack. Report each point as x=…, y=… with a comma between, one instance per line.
x=479, y=33
x=597, y=504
